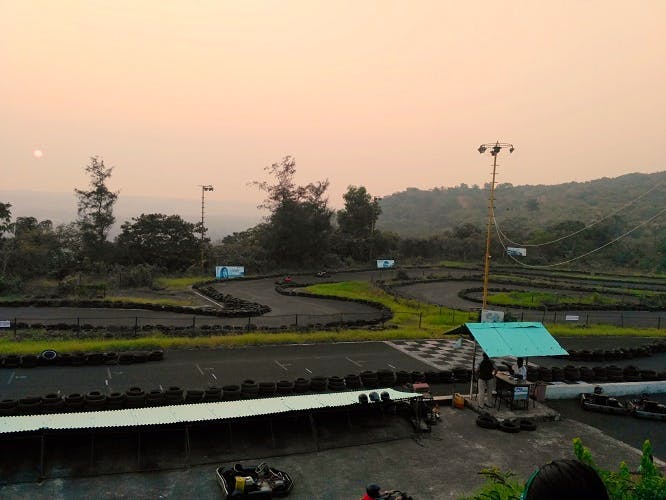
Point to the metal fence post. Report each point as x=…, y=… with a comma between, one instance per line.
x=15, y=333
x=296, y=319
x=194, y=322
x=78, y=324
x=420, y=318
x=622, y=320
x=658, y=322
x=249, y=322
x=136, y=324
x=587, y=319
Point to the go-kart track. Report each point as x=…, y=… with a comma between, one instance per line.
x=289, y=310
x=197, y=369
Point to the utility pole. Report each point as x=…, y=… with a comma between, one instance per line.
x=494, y=151
x=375, y=201
x=204, y=188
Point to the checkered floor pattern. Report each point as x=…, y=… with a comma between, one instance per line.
x=443, y=354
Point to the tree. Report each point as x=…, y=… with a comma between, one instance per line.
x=360, y=214
x=95, y=209
x=161, y=240
x=298, y=230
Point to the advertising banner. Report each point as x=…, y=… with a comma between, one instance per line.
x=516, y=252
x=385, y=264
x=488, y=316
x=520, y=393
x=226, y=272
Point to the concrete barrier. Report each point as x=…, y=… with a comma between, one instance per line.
x=571, y=391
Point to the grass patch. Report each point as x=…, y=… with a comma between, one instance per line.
x=528, y=299
x=603, y=330
x=179, y=284
x=163, y=301
x=158, y=341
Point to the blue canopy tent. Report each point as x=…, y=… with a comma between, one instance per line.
x=521, y=339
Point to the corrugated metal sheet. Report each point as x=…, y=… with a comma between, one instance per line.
x=515, y=339
x=187, y=413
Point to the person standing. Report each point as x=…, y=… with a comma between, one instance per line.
x=486, y=374
x=519, y=369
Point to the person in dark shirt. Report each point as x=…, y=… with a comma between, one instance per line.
x=486, y=374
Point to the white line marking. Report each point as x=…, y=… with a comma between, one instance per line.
x=10, y=378
x=281, y=365
x=391, y=365
x=309, y=371
x=108, y=371
x=213, y=375
x=354, y=362
x=106, y=381
x=161, y=388
x=21, y=376
x=199, y=368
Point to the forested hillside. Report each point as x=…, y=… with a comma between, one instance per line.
x=421, y=213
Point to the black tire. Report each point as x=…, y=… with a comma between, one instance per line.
x=510, y=426
x=193, y=396
x=94, y=358
x=155, y=397
x=29, y=361
x=446, y=376
x=212, y=393
x=386, y=378
x=527, y=424
x=110, y=358
x=8, y=403
x=12, y=361
x=352, y=382
x=285, y=387
x=432, y=377
x=318, y=384
x=403, y=377
x=301, y=385
x=156, y=355
x=249, y=389
x=48, y=356
x=64, y=359
x=418, y=376
x=267, y=389
x=95, y=396
x=125, y=358
x=487, y=421
x=231, y=393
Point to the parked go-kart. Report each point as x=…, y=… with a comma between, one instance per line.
x=253, y=482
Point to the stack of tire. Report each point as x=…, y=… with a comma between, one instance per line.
x=49, y=357
x=512, y=426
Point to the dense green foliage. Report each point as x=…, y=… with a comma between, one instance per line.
x=647, y=484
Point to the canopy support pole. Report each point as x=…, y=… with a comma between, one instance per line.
x=471, y=380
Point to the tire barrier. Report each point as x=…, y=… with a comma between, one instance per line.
x=601, y=355
x=135, y=397
x=432, y=377
x=461, y=374
x=557, y=374
x=50, y=357
x=418, y=377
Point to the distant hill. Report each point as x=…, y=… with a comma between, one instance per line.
x=416, y=212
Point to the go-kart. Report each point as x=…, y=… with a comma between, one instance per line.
x=323, y=274
x=253, y=482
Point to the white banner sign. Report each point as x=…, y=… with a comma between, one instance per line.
x=516, y=252
x=226, y=272
x=385, y=264
x=488, y=316
x=571, y=317
x=5, y=324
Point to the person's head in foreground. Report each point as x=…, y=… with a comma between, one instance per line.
x=565, y=479
x=373, y=491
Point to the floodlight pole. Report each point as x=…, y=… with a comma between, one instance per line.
x=204, y=188
x=494, y=151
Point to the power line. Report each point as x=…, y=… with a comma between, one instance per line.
x=627, y=233
x=533, y=245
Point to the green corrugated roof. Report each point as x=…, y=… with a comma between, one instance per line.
x=515, y=339
x=188, y=413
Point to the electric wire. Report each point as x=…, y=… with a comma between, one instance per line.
x=615, y=212
x=546, y=266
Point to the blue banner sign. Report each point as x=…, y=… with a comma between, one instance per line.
x=385, y=264
x=226, y=272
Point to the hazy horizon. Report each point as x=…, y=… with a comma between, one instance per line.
x=388, y=95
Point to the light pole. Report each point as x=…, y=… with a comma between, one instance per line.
x=204, y=188
x=494, y=150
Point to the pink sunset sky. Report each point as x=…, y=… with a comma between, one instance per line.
x=385, y=94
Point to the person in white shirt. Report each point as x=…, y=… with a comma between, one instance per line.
x=519, y=369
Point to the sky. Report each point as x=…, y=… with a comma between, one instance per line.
x=384, y=94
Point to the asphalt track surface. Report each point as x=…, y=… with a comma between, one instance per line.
x=289, y=310
x=196, y=369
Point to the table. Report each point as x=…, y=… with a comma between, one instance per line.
x=513, y=389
